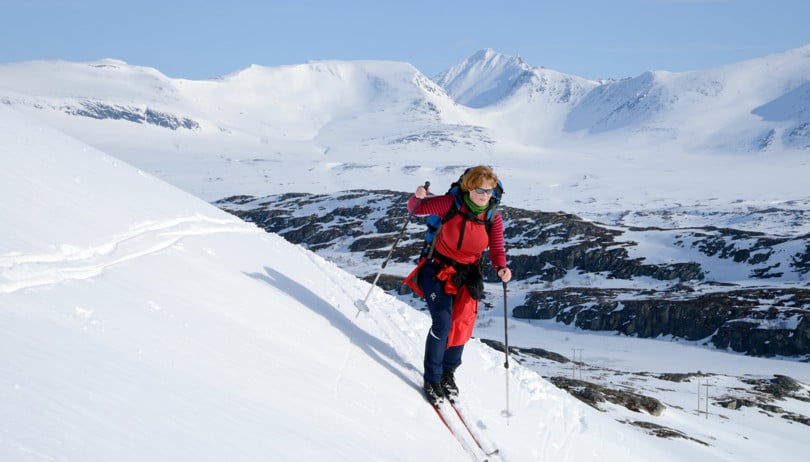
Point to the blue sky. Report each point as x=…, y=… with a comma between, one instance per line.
x=592, y=39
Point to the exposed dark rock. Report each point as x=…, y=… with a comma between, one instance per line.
x=801, y=261
x=767, y=333
x=736, y=403
x=541, y=353
x=520, y=351
x=499, y=346
x=546, y=247
x=663, y=432
x=731, y=319
x=679, y=377
x=766, y=391
x=98, y=110
x=802, y=419
x=780, y=386
x=592, y=394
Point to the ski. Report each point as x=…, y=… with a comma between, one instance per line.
x=482, y=444
x=452, y=420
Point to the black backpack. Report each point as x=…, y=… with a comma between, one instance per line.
x=435, y=222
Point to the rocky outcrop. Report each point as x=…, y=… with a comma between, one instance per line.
x=99, y=110
x=767, y=393
x=735, y=320
x=767, y=337
x=662, y=431
x=593, y=394
x=547, y=247
x=573, y=243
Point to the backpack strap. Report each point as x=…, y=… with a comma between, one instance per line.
x=436, y=222
x=458, y=206
x=433, y=241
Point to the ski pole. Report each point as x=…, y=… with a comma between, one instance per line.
x=506, y=413
x=361, y=304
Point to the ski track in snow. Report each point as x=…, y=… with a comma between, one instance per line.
x=21, y=271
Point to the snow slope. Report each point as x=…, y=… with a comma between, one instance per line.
x=141, y=323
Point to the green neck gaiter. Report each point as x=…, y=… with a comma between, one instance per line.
x=475, y=209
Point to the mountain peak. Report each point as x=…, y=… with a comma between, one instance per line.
x=483, y=78
x=494, y=58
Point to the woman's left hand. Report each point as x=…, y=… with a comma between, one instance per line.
x=505, y=274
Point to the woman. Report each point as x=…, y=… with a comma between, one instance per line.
x=450, y=278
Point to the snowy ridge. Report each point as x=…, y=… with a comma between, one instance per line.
x=308, y=102
x=281, y=100
x=689, y=104
x=484, y=78
x=488, y=78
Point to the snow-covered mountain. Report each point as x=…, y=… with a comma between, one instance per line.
x=293, y=102
x=313, y=101
x=141, y=323
x=750, y=106
x=557, y=137
x=523, y=103
x=735, y=108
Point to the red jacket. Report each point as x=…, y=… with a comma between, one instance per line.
x=468, y=250
x=475, y=239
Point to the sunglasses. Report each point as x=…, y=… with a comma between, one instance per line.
x=484, y=191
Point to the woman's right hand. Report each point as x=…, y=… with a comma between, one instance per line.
x=421, y=192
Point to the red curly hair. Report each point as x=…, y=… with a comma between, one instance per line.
x=477, y=176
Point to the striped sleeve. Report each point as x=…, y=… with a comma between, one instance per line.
x=433, y=205
x=497, y=252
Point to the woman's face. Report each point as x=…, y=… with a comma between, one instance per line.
x=480, y=195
